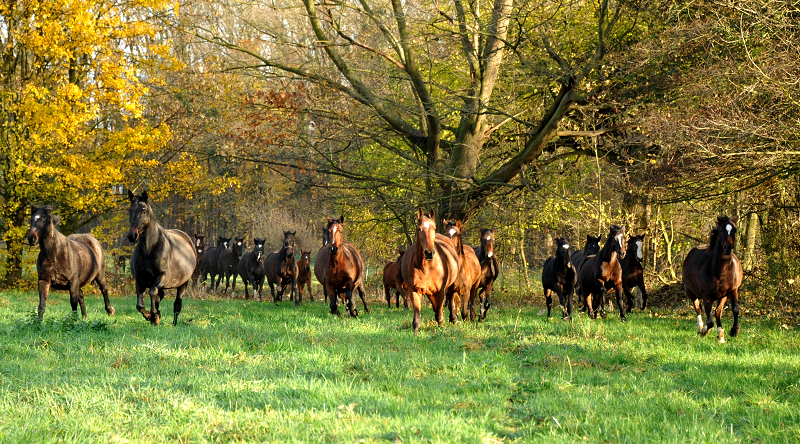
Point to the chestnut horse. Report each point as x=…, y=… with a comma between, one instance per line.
x=251, y=269
x=162, y=259
x=319, y=267
x=200, y=249
x=559, y=277
x=490, y=268
x=66, y=262
x=429, y=267
x=392, y=280
x=713, y=273
x=281, y=269
x=602, y=272
x=632, y=270
x=342, y=269
x=304, y=275
x=469, y=273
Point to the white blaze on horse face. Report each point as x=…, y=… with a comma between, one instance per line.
x=198, y=242
x=259, y=246
x=36, y=217
x=566, y=246
x=619, y=238
x=639, y=250
x=729, y=227
x=239, y=244
x=333, y=229
x=452, y=232
x=426, y=225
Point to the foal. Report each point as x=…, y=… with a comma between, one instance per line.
x=490, y=268
x=469, y=274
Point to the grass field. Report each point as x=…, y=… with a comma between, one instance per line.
x=250, y=372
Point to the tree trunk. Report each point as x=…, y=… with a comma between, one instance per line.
x=751, y=231
x=14, y=237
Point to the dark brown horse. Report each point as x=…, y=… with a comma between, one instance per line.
x=251, y=269
x=319, y=267
x=342, y=269
x=559, y=277
x=713, y=273
x=602, y=272
x=591, y=248
x=490, y=269
x=281, y=269
x=65, y=262
x=304, y=275
x=391, y=273
x=469, y=273
x=632, y=270
x=430, y=267
x=162, y=259
x=229, y=262
x=199, y=249
x=210, y=263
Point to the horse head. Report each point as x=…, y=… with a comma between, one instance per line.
x=487, y=242
x=139, y=215
x=592, y=245
x=224, y=242
x=452, y=229
x=562, y=250
x=335, y=234
x=41, y=219
x=326, y=233
x=238, y=245
x=305, y=256
x=724, y=235
x=426, y=233
x=400, y=252
x=288, y=244
x=616, y=238
x=199, y=244
x=259, y=248
x=636, y=246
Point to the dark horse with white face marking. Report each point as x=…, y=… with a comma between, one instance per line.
x=162, y=259
x=200, y=249
x=210, y=263
x=591, y=248
x=602, y=272
x=490, y=268
x=281, y=269
x=229, y=262
x=632, y=270
x=65, y=262
x=251, y=269
x=559, y=277
x=713, y=273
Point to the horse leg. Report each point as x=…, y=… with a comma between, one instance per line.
x=233, y=287
x=388, y=296
x=588, y=303
x=360, y=289
x=569, y=305
x=246, y=294
x=44, y=290
x=450, y=300
x=334, y=299
x=74, y=291
x=100, y=280
x=416, y=304
x=618, y=295
x=487, y=293
x=628, y=299
x=297, y=296
x=734, y=295
x=140, y=291
x=718, y=316
x=80, y=301
x=644, y=293
x=178, y=305
x=438, y=306
x=155, y=293
x=272, y=292
x=348, y=295
x=708, y=305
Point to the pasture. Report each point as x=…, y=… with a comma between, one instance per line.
x=236, y=371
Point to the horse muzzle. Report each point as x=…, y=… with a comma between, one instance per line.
x=334, y=249
x=258, y=257
x=727, y=249
x=428, y=255
x=133, y=235
x=490, y=254
x=33, y=237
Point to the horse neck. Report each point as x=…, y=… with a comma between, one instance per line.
x=607, y=253
x=561, y=263
x=338, y=260
x=150, y=235
x=717, y=259
x=51, y=240
x=459, y=245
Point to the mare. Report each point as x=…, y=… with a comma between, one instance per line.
x=319, y=267
x=251, y=269
x=469, y=273
x=210, y=262
x=229, y=262
x=304, y=275
x=430, y=267
x=592, y=247
x=342, y=269
x=162, y=259
x=490, y=268
x=713, y=273
x=559, y=277
x=65, y=262
x=632, y=270
x=602, y=272
x=281, y=269
x=199, y=249
x=391, y=274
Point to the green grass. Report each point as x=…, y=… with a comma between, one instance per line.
x=253, y=372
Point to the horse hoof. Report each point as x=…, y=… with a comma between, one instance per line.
x=112, y=312
x=733, y=332
x=156, y=320
x=622, y=319
x=703, y=331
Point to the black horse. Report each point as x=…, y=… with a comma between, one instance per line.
x=281, y=269
x=162, y=259
x=200, y=249
x=229, y=262
x=559, y=277
x=632, y=270
x=591, y=248
x=251, y=269
x=602, y=272
x=210, y=263
x=490, y=269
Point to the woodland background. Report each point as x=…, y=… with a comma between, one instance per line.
x=540, y=118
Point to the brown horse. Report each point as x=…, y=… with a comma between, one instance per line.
x=319, y=267
x=200, y=249
x=602, y=272
x=430, y=267
x=559, y=277
x=304, y=275
x=342, y=269
x=490, y=268
x=65, y=262
x=391, y=272
x=469, y=273
x=632, y=271
x=280, y=269
x=713, y=273
x=591, y=248
x=162, y=259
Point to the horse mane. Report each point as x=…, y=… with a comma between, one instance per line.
x=721, y=222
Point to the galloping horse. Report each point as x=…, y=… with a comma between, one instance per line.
x=490, y=268
x=591, y=248
x=319, y=267
x=162, y=259
x=390, y=275
x=65, y=262
x=632, y=271
x=343, y=269
x=210, y=262
x=281, y=269
x=251, y=269
x=469, y=273
x=430, y=267
x=713, y=273
x=200, y=249
x=559, y=277
x=304, y=275
x=602, y=272
x=229, y=262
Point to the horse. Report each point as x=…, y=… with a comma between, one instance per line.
x=210, y=262
x=430, y=267
x=602, y=272
x=280, y=268
x=304, y=274
x=342, y=269
x=251, y=269
x=490, y=268
x=632, y=271
x=559, y=277
x=390, y=280
x=229, y=262
x=319, y=267
x=591, y=248
x=162, y=259
x=713, y=273
x=65, y=262
x=199, y=248
x=469, y=273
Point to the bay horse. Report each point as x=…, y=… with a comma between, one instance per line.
x=251, y=269
x=319, y=267
x=602, y=272
x=162, y=259
x=229, y=262
x=559, y=277
x=280, y=269
x=591, y=248
x=210, y=262
x=713, y=273
x=430, y=267
x=200, y=249
x=469, y=273
x=632, y=270
x=304, y=274
x=342, y=269
x=391, y=273
x=490, y=269
x=65, y=262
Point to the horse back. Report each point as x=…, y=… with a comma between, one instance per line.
x=390, y=271
x=84, y=257
x=173, y=257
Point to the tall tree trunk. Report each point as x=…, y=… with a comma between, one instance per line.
x=751, y=231
x=14, y=238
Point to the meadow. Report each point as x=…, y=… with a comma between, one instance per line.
x=237, y=371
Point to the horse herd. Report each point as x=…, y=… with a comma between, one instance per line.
x=440, y=267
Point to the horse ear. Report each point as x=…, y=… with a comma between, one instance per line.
x=33, y=209
x=144, y=196
x=341, y=219
x=294, y=232
x=444, y=221
x=329, y=219
x=432, y=214
x=131, y=196
x=419, y=213
x=588, y=238
x=48, y=211
x=735, y=220
x=56, y=220
x=458, y=225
